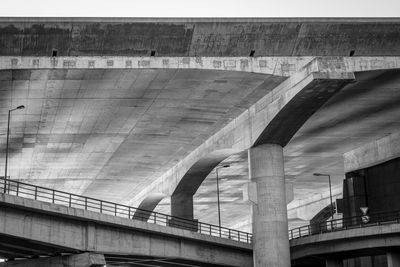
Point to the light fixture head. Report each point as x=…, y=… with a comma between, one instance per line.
x=226, y=166
x=20, y=107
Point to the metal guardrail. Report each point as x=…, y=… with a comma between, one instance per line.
x=361, y=221
x=25, y=190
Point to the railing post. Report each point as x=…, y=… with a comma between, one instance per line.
x=155, y=218
x=35, y=192
x=115, y=209
x=85, y=203
x=247, y=237
x=129, y=212
x=210, y=229
x=229, y=233
x=53, y=196
x=70, y=200
x=17, y=188
x=101, y=206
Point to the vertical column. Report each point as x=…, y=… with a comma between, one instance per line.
x=393, y=259
x=182, y=207
x=270, y=226
x=334, y=263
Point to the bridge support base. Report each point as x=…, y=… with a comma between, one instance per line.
x=78, y=260
x=333, y=263
x=393, y=259
x=270, y=226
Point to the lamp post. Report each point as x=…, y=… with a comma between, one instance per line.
x=8, y=137
x=330, y=189
x=219, y=209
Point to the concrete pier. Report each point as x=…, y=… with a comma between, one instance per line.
x=270, y=227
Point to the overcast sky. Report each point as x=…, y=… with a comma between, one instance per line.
x=201, y=8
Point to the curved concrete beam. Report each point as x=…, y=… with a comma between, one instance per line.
x=186, y=187
x=196, y=174
x=147, y=205
x=318, y=81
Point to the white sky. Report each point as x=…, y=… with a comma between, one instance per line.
x=200, y=8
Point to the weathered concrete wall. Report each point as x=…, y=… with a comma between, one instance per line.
x=82, y=230
x=199, y=37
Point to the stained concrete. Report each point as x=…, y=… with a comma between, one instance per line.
x=200, y=37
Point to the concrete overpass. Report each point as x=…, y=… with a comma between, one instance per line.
x=31, y=228
x=139, y=110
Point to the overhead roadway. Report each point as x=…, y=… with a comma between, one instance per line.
x=115, y=124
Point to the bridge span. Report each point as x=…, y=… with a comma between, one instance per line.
x=38, y=224
x=42, y=222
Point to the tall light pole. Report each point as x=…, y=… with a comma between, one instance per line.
x=330, y=189
x=8, y=137
x=219, y=208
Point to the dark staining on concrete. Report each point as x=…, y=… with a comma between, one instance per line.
x=94, y=39
x=35, y=40
x=213, y=38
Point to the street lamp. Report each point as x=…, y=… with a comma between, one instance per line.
x=8, y=137
x=330, y=189
x=219, y=209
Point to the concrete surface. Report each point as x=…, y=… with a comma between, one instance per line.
x=79, y=230
x=58, y=136
x=200, y=37
x=374, y=153
x=73, y=137
x=78, y=260
x=269, y=214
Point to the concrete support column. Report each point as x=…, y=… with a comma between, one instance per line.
x=269, y=213
x=182, y=206
x=393, y=259
x=333, y=263
x=78, y=260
